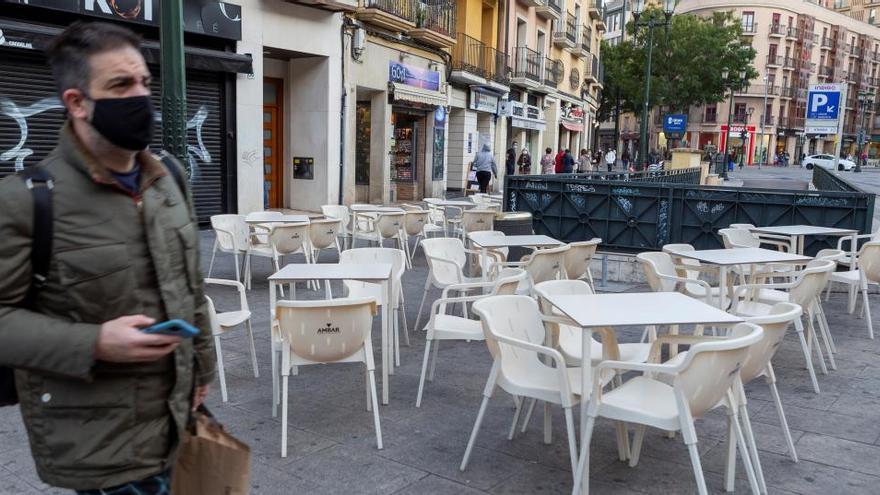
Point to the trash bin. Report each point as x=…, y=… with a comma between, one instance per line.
x=515, y=223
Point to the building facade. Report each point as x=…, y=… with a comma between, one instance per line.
x=860, y=10
x=798, y=43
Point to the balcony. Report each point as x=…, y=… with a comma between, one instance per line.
x=792, y=33
x=774, y=61
x=749, y=29
x=739, y=118
x=758, y=90
x=787, y=63
x=769, y=120
x=566, y=34
x=435, y=24
x=875, y=57
x=828, y=44
x=329, y=5
x=553, y=72
x=583, y=48
x=595, y=73
x=826, y=71
x=595, y=9
x=549, y=9
x=528, y=68
x=393, y=15
x=777, y=30
x=475, y=63
x=787, y=92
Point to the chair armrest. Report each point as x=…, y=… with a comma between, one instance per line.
x=666, y=369
x=848, y=238
x=242, y=296
x=464, y=287
x=662, y=340
x=553, y=354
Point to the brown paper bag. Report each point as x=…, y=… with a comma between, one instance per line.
x=210, y=461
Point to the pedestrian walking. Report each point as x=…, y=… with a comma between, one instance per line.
x=559, y=157
x=484, y=166
x=548, y=162
x=584, y=162
x=525, y=162
x=610, y=158
x=625, y=158
x=568, y=162
x=597, y=158
x=103, y=402
x=510, y=160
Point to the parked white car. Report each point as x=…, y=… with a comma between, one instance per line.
x=827, y=162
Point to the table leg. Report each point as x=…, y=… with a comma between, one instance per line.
x=484, y=254
x=722, y=287
x=586, y=388
x=384, y=343
x=853, y=249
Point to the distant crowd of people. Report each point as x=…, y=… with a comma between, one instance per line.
x=518, y=161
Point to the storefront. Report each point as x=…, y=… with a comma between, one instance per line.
x=472, y=118
x=31, y=113
x=571, y=127
x=742, y=140
x=527, y=126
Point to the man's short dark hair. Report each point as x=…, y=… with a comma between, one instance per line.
x=70, y=51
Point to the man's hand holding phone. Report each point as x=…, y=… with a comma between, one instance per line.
x=123, y=341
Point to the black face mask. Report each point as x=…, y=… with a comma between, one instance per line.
x=125, y=122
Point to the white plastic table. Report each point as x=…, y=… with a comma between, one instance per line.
x=724, y=259
x=628, y=309
x=797, y=233
x=371, y=272
x=450, y=202
x=268, y=217
x=486, y=242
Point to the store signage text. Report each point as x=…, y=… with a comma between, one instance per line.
x=675, y=125
x=823, y=110
x=573, y=113
x=483, y=102
x=526, y=116
x=416, y=77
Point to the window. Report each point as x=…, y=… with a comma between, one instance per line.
x=739, y=113
x=772, y=52
x=540, y=42
x=768, y=111
x=776, y=19
x=872, y=16
x=711, y=114
x=748, y=22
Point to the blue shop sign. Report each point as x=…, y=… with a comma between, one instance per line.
x=675, y=125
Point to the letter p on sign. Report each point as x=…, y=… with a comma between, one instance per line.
x=819, y=100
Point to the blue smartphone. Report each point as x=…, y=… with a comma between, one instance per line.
x=177, y=328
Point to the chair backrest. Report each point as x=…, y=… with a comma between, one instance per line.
x=547, y=264
x=414, y=221
x=449, y=249
x=437, y=214
x=558, y=288
x=497, y=233
x=738, y=238
x=509, y=280
x=477, y=220
x=710, y=368
x=287, y=238
x=323, y=233
x=746, y=226
x=389, y=224
x=232, y=232
x=395, y=257
x=409, y=207
x=656, y=264
x=774, y=324
x=515, y=317
x=339, y=212
x=216, y=329
x=830, y=254
x=326, y=331
x=811, y=281
x=672, y=249
x=579, y=257
x=869, y=261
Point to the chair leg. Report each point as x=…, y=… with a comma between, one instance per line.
x=434, y=361
x=867, y=309
x=823, y=331
x=814, y=341
x=828, y=291
x=250, y=332
x=572, y=438
x=275, y=385
x=774, y=392
x=799, y=328
x=753, y=446
x=396, y=324
x=583, y=467
x=221, y=371
x=213, y=255
x=824, y=321
x=636, y=450
x=402, y=310
x=730, y=464
x=375, y=401
x=424, y=372
x=548, y=424
x=698, y=469
x=237, y=268
x=422, y=305
x=622, y=441
x=528, y=418
x=284, y=415
x=487, y=394
x=519, y=404
x=851, y=306
x=744, y=453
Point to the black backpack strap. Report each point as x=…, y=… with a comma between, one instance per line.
x=39, y=182
x=175, y=172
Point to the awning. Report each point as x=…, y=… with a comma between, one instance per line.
x=416, y=95
x=29, y=36
x=534, y=125
x=573, y=126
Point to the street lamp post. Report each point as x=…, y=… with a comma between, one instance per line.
x=761, y=151
x=866, y=100
x=743, y=135
x=649, y=25
x=173, y=80
x=733, y=84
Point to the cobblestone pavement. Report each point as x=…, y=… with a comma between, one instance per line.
x=332, y=447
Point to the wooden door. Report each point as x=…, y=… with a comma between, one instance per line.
x=273, y=162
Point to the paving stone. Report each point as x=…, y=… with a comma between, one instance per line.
x=436, y=485
x=837, y=452
x=342, y=470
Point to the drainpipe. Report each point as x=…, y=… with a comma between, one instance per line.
x=342, y=30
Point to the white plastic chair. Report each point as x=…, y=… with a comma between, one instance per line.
x=436, y=220
x=514, y=331
x=284, y=239
x=224, y=322
x=445, y=326
x=804, y=290
x=745, y=226
x=579, y=258
x=397, y=259
x=542, y=265
x=324, y=234
x=340, y=212
x=866, y=273
x=323, y=332
x=744, y=238
x=385, y=226
x=663, y=275
x=446, y=257
x=475, y=220
x=702, y=379
x=231, y=233
x=414, y=223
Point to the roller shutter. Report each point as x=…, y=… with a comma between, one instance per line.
x=31, y=115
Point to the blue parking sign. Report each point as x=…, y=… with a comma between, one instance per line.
x=823, y=105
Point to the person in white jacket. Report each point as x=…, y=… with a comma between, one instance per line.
x=610, y=159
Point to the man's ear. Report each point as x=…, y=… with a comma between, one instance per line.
x=76, y=103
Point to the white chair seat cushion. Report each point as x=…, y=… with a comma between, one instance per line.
x=753, y=308
x=232, y=318
x=262, y=250
x=847, y=277
x=570, y=345
x=642, y=400
x=542, y=382
x=772, y=296
x=451, y=327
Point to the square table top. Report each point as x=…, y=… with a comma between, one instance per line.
x=267, y=217
x=499, y=241
x=449, y=202
x=639, y=309
x=804, y=230
x=333, y=271
x=743, y=256
x=376, y=208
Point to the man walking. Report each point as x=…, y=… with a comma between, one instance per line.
x=484, y=166
x=610, y=159
x=103, y=402
x=568, y=162
x=510, y=160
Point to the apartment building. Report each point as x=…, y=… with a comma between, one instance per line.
x=861, y=10
x=798, y=43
